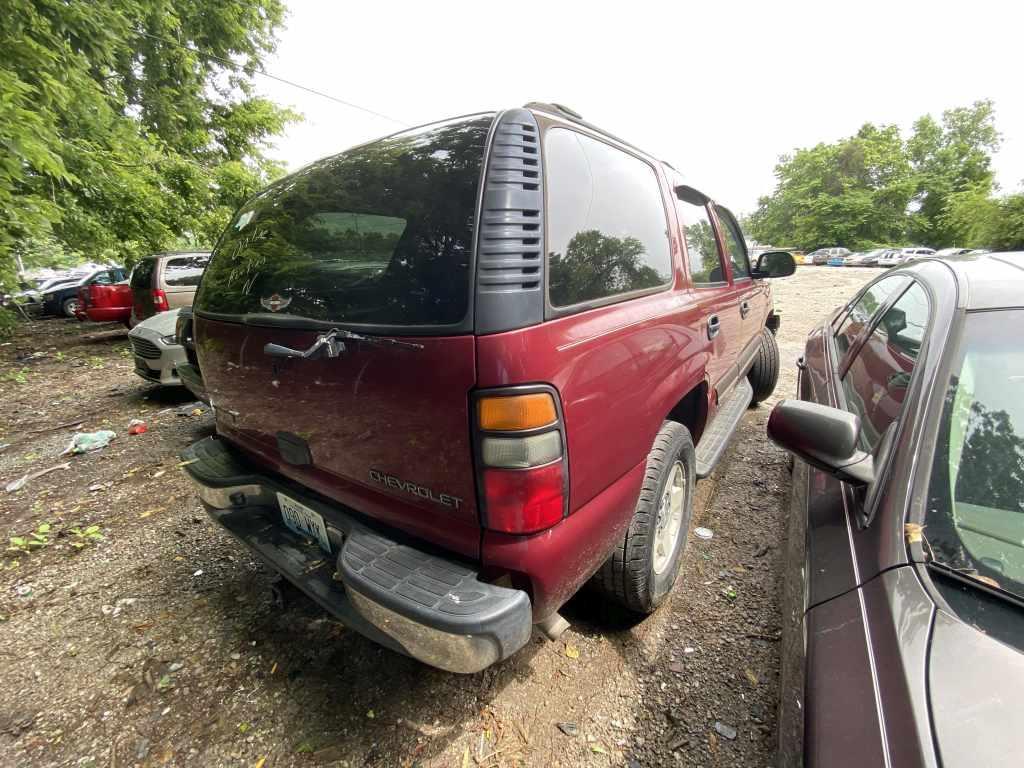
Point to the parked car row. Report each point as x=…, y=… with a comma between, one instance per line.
x=881, y=257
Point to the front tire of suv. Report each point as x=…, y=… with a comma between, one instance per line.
x=764, y=374
x=644, y=565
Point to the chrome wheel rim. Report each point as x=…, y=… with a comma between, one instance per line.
x=670, y=518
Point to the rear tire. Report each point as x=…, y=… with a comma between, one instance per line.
x=764, y=374
x=644, y=565
x=69, y=306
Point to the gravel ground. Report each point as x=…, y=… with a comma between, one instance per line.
x=159, y=643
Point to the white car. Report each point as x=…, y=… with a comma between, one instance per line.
x=155, y=350
x=902, y=255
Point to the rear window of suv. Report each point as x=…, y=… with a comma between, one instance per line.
x=142, y=275
x=379, y=235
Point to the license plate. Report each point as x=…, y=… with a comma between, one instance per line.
x=304, y=521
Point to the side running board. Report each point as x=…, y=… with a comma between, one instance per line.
x=719, y=432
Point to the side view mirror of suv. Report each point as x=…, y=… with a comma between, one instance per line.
x=775, y=264
x=824, y=437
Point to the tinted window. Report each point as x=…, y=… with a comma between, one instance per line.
x=701, y=246
x=734, y=244
x=878, y=377
x=380, y=234
x=606, y=221
x=975, y=513
x=105, y=278
x=185, y=270
x=861, y=313
x=142, y=275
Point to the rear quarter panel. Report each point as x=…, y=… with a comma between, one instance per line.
x=619, y=371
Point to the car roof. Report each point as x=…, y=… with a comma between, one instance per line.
x=987, y=280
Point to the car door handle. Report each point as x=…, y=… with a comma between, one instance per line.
x=744, y=309
x=714, y=326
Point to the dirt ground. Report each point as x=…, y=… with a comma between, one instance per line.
x=152, y=638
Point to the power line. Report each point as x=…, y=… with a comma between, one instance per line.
x=270, y=76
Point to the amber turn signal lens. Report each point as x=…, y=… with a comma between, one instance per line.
x=517, y=412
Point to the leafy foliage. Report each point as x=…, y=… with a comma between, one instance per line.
x=119, y=139
x=874, y=188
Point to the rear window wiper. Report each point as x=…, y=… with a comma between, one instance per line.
x=331, y=344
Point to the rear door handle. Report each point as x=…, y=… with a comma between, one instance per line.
x=744, y=309
x=714, y=326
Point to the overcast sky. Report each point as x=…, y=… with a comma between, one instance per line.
x=718, y=89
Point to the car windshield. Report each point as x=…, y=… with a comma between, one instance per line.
x=974, y=522
x=380, y=234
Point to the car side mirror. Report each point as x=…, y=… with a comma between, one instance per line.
x=775, y=264
x=824, y=437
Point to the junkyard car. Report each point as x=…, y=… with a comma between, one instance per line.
x=903, y=618
x=165, y=281
x=63, y=299
x=460, y=370
x=156, y=350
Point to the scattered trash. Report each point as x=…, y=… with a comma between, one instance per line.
x=14, y=485
x=236, y=656
x=23, y=590
x=84, y=442
x=137, y=427
x=704, y=533
x=116, y=608
x=159, y=473
x=198, y=573
x=688, y=650
x=725, y=731
x=370, y=714
x=175, y=666
x=569, y=729
x=572, y=651
x=751, y=676
x=192, y=409
x=729, y=593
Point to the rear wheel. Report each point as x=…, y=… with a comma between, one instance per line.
x=644, y=565
x=764, y=374
x=70, y=306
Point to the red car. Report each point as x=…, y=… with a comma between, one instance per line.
x=105, y=302
x=462, y=370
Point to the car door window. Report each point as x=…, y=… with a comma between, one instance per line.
x=876, y=382
x=702, y=249
x=105, y=278
x=860, y=314
x=735, y=246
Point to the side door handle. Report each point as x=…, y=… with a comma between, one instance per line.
x=714, y=326
x=744, y=308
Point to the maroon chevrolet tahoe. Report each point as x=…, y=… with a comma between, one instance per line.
x=463, y=370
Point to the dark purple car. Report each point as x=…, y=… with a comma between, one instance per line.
x=903, y=623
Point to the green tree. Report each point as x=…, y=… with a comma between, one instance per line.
x=854, y=192
x=118, y=136
x=976, y=218
x=949, y=158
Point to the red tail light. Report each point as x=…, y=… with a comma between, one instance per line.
x=160, y=300
x=524, y=500
x=523, y=471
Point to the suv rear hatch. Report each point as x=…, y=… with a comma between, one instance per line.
x=375, y=242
